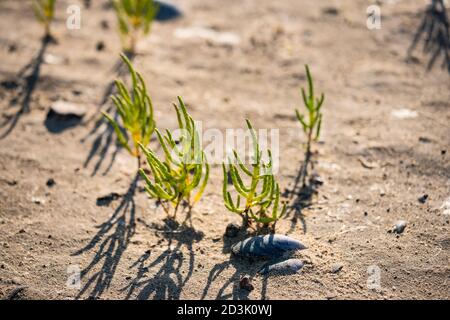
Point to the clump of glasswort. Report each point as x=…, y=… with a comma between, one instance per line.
x=312, y=122
x=44, y=11
x=135, y=18
x=258, y=199
x=135, y=110
x=184, y=168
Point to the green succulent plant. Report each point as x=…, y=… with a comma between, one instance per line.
x=135, y=18
x=184, y=168
x=257, y=202
x=312, y=122
x=135, y=109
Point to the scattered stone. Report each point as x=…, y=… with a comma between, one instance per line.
x=404, y=114
x=336, y=268
x=104, y=24
x=399, y=227
x=332, y=11
x=268, y=245
x=64, y=115
x=446, y=207
x=288, y=266
x=222, y=38
x=423, y=198
x=50, y=182
x=232, y=230
x=424, y=140
x=64, y=108
x=54, y=60
x=315, y=179
x=443, y=152
x=37, y=200
x=100, y=46
x=246, y=284
x=106, y=200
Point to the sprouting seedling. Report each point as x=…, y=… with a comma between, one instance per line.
x=135, y=18
x=136, y=111
x=184, y=169
x=260, y=194
x=44, y=11
x=313, y=121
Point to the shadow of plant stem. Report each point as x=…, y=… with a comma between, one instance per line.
x=300, y=195
x=102, y=133
x=168, y=282
x=435, y=29
x=28, y=76
x=243, y=267
x=110, y=242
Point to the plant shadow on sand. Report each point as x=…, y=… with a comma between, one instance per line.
x=435, y=29
x=247, y=267
x=301, y=193
x=26, y=82
x=168, y=281
x=102, y=133
x=110, y=242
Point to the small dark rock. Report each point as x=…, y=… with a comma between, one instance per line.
x=50, y=182
x=104, y=24
x=336, y=268
x=424, y=140
x=100, y=46
x=399, y=227
x=332, y=11
x=315, y=180
x=246, y=284
x=423, y=198
x=232, y=230
x=106, y=200
x=443, y=152
x=12, y=48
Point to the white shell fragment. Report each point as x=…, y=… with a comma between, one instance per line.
x=64, y=108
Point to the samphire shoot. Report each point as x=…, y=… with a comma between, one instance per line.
x=312, y=122
x=135, y=18
x=184, y=168
x=44, y=11
x=135, y=109
x=261, y=194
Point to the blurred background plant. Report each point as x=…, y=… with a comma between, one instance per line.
x=135, y=18
x=44, y=11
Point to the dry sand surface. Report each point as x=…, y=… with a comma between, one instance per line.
x=384, y=144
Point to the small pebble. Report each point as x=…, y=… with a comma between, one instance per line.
x=50, y=182
x=336, y=268
x=246, y=284
x=232, y=230
x=423, y=198
x=399, y=227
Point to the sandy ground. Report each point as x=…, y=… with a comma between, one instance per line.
x=375, y=163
